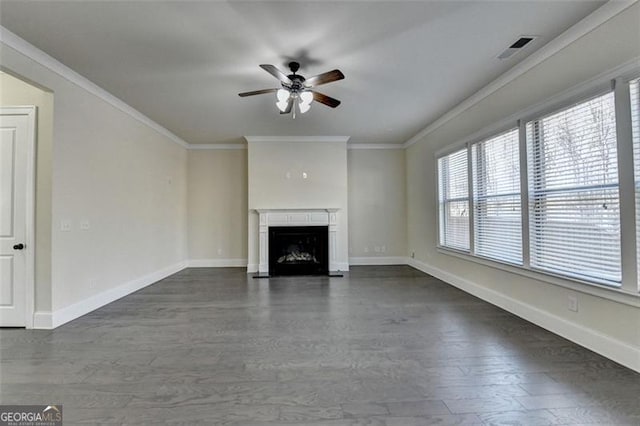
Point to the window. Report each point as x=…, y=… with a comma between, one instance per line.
x=545, y=197
x=496, y=198
x=634, y=90
x=453, y=196
x=574, y=210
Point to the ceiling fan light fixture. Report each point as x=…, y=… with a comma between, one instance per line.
x=304, y=107
x=306, y=97
x=283, y=99
x=283, y=95
x=282, y=106
x=305, y=101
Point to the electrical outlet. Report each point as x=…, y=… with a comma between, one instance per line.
x=572, y=303
x=376, y=249
x=65, y=226
x=383, y=249
x=366, y=249
x=219, y=251
x=413, y=254
x=84, y=225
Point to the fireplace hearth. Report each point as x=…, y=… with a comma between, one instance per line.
x=298, y=250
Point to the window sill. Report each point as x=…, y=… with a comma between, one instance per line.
x=619, y=295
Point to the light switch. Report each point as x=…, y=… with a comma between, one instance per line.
x=65, y=226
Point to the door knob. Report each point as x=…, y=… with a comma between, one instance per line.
x=18, y=246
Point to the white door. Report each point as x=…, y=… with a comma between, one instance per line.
x=15, y=133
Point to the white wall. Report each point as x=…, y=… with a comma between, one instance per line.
x=15, y=92
x=218, y=202
x=609, y=327
x=124, y=178
x=217, y=206
x=325, y=186
x=377, y=206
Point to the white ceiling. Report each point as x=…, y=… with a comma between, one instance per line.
x=182, y=63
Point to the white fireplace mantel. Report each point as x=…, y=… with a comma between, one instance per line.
x=296, y=217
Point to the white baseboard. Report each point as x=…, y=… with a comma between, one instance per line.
x=43, y=320
x=252, y=268
x=389, y=260
x=49, y=320
x=216, y=263
x=607, y=346
x=341, y=266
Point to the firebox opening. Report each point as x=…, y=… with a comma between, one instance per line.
x=298, y=250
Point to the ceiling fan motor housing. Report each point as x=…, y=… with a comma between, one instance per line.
x=294, y=67
x=297, y=84
x=297, y=81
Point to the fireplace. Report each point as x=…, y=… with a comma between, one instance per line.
x=298, y=250
x=325, y=219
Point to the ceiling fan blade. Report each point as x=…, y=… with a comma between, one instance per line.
x=257, y=92
x=324, y=99
x=324, y=78
x=276, y=73
x=289, y=107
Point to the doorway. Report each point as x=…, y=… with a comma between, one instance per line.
x=17, y=191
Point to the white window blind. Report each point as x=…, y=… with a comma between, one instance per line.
x=454, y=200
x=573, y=188
x=635, y=126
x=496, y=198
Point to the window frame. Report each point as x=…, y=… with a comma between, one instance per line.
x=442, y=208
x=472, y=194
x=617, y=80
x=626, y=164
x=538, y=117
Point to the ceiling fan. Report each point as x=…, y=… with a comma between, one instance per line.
x=296, y=90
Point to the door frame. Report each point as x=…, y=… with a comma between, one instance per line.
x=31, y=113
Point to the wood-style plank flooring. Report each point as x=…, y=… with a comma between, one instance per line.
x=381, y=346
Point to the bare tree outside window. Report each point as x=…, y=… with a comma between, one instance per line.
x=573, y=179
x=497, y=205
x=454, y=200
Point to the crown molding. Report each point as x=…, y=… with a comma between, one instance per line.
x=303, y=139
x=217, y=146
x=586, y=25
x=375, y=146
x=32, y=52
x=237, y=146
x=597, y=84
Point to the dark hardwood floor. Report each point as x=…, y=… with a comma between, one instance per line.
x=381, y=346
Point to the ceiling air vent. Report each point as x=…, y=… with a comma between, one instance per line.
x=516, y=47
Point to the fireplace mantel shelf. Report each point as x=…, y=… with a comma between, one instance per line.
x=322, y=209
x=296, y=217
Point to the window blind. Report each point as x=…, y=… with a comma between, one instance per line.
x=574, y=209
x=634, y=89
x=454, y=200
x=496, y=192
